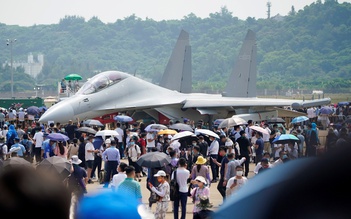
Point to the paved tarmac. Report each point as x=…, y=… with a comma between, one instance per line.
x=215, y=197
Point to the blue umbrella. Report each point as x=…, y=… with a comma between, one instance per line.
x=285, y=138
x=43, y=108
x=57, y=137
x=326, y=110
x=300, y=119
x=122, y=118
x=33, y=110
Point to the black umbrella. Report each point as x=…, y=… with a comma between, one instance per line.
x=181, y=126
x=16, y=162
x=55, y=164
x=275, y=120
x=87, y=130
x=33, y=110
x=154, y=159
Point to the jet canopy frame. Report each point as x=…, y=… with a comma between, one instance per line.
x=101, y=81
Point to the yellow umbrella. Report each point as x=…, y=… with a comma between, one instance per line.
x=167, y=132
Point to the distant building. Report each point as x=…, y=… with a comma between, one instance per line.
x=32, y=67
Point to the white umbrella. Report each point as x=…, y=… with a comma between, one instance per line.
x=155, y=127
x=232, y=121
x=106, y=132
x=91, y=122
x=259, y=129
x=181, y=126
x=182, y=134
x=206, y=132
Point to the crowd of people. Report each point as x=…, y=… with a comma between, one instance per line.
x=196, y=162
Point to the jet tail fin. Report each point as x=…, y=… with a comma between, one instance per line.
x=242, y=81
x=177, y=75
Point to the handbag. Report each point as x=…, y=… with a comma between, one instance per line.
x=153, y=197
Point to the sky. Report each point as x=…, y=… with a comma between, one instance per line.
x=31, y=12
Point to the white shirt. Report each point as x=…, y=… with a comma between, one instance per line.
x=176, y=145
x=121, y=134
x=266, y=136
x=311, y=113
x=134, y=152
x=248, y=132
x=117, y=179
x=30, y=117
x=38, y=137
x=4, y=150
x=152, y=143
x=21, y=116
x=214, y=147
x=182, y=177
x=89, y=155
x=240, y=183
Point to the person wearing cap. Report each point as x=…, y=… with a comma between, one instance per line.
x=199, y=191
x=163, y=191
x=48, y=147
x=21, y=151
x=77, y=179
x=245, y=150
x=112, y=157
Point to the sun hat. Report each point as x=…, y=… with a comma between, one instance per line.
x=75, y=159
x=201, y=160
x=160, y=173
x=204, y=203
x=201, y=179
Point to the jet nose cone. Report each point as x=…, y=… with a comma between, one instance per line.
x=60, y=112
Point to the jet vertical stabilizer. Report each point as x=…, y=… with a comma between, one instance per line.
x=177, y=75
x=186, y=82
x=242, y=81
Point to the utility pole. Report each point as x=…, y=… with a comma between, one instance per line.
x=269, y=5
x=10, y=43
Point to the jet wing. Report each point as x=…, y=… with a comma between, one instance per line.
x=252, y=102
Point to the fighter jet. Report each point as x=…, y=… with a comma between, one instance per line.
x=115, y=91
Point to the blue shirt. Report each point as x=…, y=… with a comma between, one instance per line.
x=22, y=150
x=260, y=148
x=111, y=154
x=48, y=148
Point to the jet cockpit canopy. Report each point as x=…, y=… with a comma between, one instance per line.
x=101, y=81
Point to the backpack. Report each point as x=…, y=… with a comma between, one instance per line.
x=174, y=187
